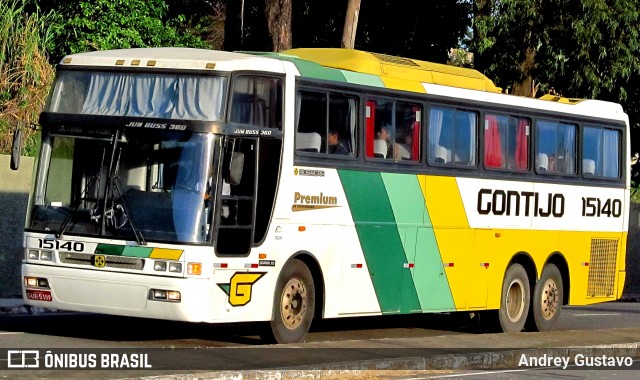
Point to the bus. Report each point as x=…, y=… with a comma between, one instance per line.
x=278, y=188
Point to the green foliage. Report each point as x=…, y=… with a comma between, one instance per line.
x=25, y=74
x=581, y=48
x=88, y=25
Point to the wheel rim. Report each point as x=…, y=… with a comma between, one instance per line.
x=550, y=299
x=293, y=306
x=515, y=300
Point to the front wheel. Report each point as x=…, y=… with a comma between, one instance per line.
x=547, y=298
x=516, y=295
x=294, y=305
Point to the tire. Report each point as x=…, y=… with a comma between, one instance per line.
x=548, y=297
x=294, y=304
x=515, y=300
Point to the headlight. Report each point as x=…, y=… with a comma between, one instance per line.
x=46, y=255
x=175, y=267
x=33, y=254
x=160, y=266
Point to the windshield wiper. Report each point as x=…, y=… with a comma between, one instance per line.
x=76, y=204
x=116, y=183
x=128, y=212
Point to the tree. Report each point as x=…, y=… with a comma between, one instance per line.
x=87, y=25
x=202, y=18
x=578, y=48
x=582, y=48
x=400, y=27
x=279, y=22
x=312, y=16
x=350, y=24
x=246, y=26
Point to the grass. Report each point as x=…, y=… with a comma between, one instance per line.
x=25, y=73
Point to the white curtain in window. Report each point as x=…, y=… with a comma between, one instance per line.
x=108, y=94
x=435, y=129
x=198, y=98
x=472, y=137
x=353, y=121
x=298, y=106
x=157, y=96
x=567, y=148
x=610, y=159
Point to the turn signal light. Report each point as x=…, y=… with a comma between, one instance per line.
x=194, y=269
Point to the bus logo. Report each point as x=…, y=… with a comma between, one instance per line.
x=302, y=202
x=99, y=261
x=240, y=286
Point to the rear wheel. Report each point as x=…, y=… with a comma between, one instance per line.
x=547, y=298
x=294, y=304
x=516, y=295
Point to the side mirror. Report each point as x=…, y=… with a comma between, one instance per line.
x=16, y=148
x=236, y=166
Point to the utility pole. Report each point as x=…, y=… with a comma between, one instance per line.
x=350, y=24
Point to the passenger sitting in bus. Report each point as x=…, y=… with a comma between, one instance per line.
x=336, y=146
x=542, y=162
x=383, y=134
x=404, y=144
x=393, y=150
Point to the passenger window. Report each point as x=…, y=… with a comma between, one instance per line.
x=257, y=101
x=326, y=123
x=601, y=152
x=452, y=137
x=556, y=147
x=393, y=130
x=506, y=142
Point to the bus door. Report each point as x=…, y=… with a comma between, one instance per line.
x=246, y=192
x=250, y=166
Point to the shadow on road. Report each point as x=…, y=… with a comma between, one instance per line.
x=154, y=332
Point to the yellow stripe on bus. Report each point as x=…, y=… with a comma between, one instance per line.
x=444, y=202
x=165, y=253
x=403, y=84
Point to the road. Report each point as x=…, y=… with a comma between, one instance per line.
x=94, y=330
x=349, y=339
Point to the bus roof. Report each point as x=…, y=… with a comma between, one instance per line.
x=373, y=69
x=395, y=72
x=173, y=58
x=341, y=65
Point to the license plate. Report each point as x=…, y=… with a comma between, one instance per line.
x=39, y=295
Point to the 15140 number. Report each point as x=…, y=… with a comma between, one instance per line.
x=598, y=207
x=75, y=246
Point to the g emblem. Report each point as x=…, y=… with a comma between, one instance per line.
x=99, y=261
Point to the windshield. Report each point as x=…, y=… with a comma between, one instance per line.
x=133, y=185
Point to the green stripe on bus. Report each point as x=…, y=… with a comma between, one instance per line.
x=122, y=250
x=420, y=246
x=380, y=241
x=137, y=251
x=406, y=198
x=313, y=70
x=364, y=79
x=109, y=249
